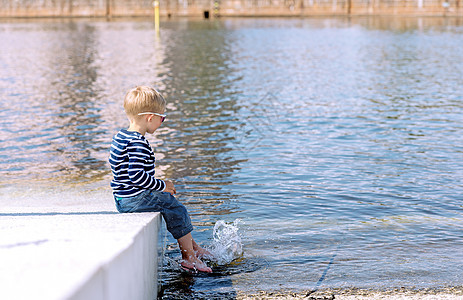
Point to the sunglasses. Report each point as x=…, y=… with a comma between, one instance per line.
x=163, y=117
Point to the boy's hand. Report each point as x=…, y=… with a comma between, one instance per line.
x=170, y=188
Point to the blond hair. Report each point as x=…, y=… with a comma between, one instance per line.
x=143, y=99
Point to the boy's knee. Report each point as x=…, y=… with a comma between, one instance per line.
x=172, y=202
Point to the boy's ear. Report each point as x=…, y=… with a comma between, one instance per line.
x=149, y=117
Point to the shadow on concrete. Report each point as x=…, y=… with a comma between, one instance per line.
x=28, y=214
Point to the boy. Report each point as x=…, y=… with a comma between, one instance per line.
x=134, y=186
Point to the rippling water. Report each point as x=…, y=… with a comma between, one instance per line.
x=336, y=142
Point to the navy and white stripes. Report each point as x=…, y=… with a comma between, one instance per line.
x=132, y=164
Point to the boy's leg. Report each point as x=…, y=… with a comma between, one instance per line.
x=189, y=258
x=179, y=225
x=175, y=215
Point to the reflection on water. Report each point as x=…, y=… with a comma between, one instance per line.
x=338, y=142
x=50, y=106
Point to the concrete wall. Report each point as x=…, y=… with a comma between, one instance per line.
x=115, y=8
x=340, y=7
x=104, y=255
x=131, y=274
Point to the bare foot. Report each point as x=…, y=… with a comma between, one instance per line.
x=203, y=253
x=200, y=252
x=195, y=264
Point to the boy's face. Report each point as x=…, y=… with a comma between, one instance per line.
x=153, y=123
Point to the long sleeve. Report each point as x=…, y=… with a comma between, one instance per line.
x=141, y=167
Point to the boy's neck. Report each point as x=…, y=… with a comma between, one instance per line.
x=135, y=127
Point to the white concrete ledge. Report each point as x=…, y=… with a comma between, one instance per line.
x=47, y=254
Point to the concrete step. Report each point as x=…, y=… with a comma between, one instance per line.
x=48, y=254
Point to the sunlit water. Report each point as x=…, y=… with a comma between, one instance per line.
x=337, y=143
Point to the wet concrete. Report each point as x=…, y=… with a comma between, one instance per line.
x=361, y=294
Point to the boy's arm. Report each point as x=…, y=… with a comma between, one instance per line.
x=138, y=160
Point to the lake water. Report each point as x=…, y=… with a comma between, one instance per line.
x=334, y=144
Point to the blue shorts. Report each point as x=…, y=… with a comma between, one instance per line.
x=178, y=221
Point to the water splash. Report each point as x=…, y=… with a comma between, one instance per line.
x=226, y=245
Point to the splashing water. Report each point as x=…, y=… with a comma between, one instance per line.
x=227, y=244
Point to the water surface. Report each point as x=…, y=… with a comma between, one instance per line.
x=336, y=142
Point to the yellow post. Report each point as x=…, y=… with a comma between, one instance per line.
x=156, y=16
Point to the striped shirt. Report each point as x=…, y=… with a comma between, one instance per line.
x=132, y=164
